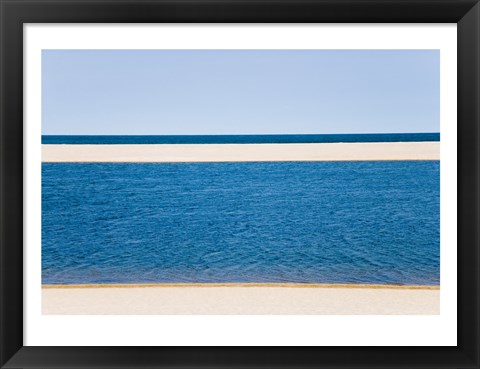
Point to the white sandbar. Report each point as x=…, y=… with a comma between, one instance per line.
x=239, y=300
x=242, y=152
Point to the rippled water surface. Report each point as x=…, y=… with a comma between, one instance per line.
x=327, y=222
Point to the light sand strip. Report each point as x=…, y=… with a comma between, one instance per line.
x=229, y=300
x=167, y=153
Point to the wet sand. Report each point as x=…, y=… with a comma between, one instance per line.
x=240, y=299
x=242, y=152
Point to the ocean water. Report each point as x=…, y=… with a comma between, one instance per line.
x=251, y=139
x=322, y=222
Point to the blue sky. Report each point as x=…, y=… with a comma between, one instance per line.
x=143, y=92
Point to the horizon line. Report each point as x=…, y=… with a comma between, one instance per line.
x=247, y=134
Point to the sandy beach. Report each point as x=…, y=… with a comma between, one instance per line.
x=242, y=152
x=243, y=299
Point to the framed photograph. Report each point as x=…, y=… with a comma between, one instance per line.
x=239, y=184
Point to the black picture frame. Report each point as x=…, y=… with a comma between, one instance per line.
x=15, y=13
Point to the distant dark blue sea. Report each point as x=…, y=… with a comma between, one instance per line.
x=241, y=139
x=305, y=222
